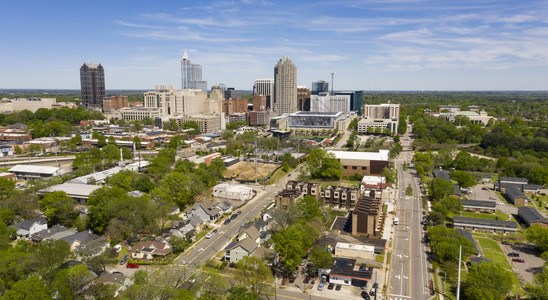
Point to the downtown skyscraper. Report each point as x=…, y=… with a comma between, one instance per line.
x=285, y=86
x=191, y=75
x=92, y=83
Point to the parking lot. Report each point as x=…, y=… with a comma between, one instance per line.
x=532, y=265
x=484, y=192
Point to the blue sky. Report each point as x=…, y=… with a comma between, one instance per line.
x=370, y=44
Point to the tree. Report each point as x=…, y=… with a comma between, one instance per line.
x=487, y=281
x=58, y=207
x=70, y=282
x=308, y=208
x=389, y=175
x=95, y=135
x=463, y=161
x=49, y=255
x=175, y=187
x=441, y=188
x=77, y=139
x=436, y=218
x=176, y=142
x=538, y=235
x=171, y=125
x=241, y=293
x=321, y=258
x=252, y=273
x=30, y=288
x=321, y=164
x=7, y=186
x=217, y=167
x=137, y=142
x=191, y=125
x=377, y=131
x=101, y=141
x=463, y=178
x=539, y=288
x=111, y=140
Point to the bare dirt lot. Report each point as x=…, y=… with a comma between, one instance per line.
x=245, y=170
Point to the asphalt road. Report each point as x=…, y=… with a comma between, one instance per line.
x=282, y=294
x=409, y=268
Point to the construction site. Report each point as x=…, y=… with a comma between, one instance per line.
x=245, y=170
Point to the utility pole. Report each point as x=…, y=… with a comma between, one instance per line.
x=458, y=279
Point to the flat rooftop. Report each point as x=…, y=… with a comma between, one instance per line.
x=381, y=155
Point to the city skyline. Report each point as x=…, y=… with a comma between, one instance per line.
x=371, y=45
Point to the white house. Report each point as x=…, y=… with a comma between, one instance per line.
x=30, y=227
x=233, y=192
x=150, y=249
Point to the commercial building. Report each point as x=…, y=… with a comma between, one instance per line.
x=221, y=88
x=364, y=163
x=233, y=192
x=77, y=191
x=264, y=87
x=171, y=102
x=140, y=113
x=380, y=116
x=191, y=75
x=303, y=98
x=259, y=117
x=207, y=124
x=92, y=82
x=484, y=224
x=347, y=272
x=357, y=251
x=366, y=216
x=28, y=172
x=449, y=108
x=475, y=117
x=311, y=121
x=285, y=86
x=32, y=104
x=234, y=105
x=113, y=103
x=324, y=102
x=320, y=86
x=231, y=93
x=531, y=216
x=356, y=98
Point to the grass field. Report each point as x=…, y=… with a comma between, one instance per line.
x=499, y=215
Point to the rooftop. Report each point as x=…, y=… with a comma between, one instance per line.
x=381, y=155
x=34, y=169
x=531, y=215
x=484, y=222
x=482, y=203
x=74, y=190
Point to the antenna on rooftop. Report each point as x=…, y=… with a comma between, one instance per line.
x=332, y=75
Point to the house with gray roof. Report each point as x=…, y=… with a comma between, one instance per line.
x=531, y=216
x=249, y=230
x=79, y=238
x=516, y=196
x=30, y=227
x=56, y=232
x=479, y=205
x=473, y=224
x=468, y=236
x=240, y=249
x=207, y=212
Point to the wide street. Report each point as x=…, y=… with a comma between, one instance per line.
x=409, y=267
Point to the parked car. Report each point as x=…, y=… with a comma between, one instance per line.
x=338, y=287
x=373, y=291
x=234, y=216
x=227, y=221
x=518, y=260
x=468, y=192
x=211, y=233
x=513, y=254
x=293, y=277
x=306, y=279
x=331, y=286
x=132, y=266
x=320, y=286
x=124, y=260
x=303, y=262
x=365, y=295
x=507, y=243
x=363, y=267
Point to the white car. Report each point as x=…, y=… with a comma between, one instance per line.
x=211, y=233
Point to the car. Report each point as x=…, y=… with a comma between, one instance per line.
x=227, y=221
x=292, y=278
x=132, y=266
x=375, y=285
x=264, y=205
x=320, y=286
x=238, y=213
x=234, y=216
x=306, y=279
x=364, y=285
x=468, y=192
x=365, y=295
x=124, y=260
x=331, y=286
x=363, y=267
x=338, y=287
x=507, y=243
x=303, y=262
x=211, y=233
x=513, y=254
x=373, y=291
x=484, y=188
x=324, y=279
x=424, y=212
x=518, y=260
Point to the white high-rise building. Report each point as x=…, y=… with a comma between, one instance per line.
x=171, y=102
x=263, y=87
x=324, y=102
x=191, y=75
x=285, y=86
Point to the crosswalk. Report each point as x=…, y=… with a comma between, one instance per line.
x=398, y=297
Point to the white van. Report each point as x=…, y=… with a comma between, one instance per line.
x=396, y=221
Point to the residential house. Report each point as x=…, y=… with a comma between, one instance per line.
x=286, y=198
x=531, y=216
x=225, y=206
x=479, y=206
x=150, y=249
x=54, y=233
x=307, y=188
x=206, y=211
x=240, y=249
x=339, y=196
x=30, y=227
x=516, y=196
x=249, y=230
x=79, y=239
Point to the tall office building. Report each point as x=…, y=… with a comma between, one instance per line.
x=220, y=87
x=285, y=86
x=355, y=100
x=92, y=82
x=231, y=93
x=191, y=75
x=320, y=86
x=303, y=98
x=325, y=102
x=264, y=87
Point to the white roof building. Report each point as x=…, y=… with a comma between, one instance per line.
x=381, y=155
x=354, y=251
x=78, y=191
x=233, y=192
x=35, y=172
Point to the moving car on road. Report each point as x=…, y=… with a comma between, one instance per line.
x=211, y=233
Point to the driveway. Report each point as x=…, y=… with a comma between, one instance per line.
x=484, y=192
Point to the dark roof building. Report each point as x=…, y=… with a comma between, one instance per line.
x=468, y=236
x=442, y=174
x=514, y=180
x=516, y=196
x=346, y=272
x=484, y=224
x=531, y=216
x=479, y=205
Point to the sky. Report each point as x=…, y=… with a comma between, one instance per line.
x=369, y=44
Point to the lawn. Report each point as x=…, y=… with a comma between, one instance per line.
x=499, y=215
x=333, y=214
x=279, y=174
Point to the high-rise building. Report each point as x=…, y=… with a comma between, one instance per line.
x=285, y=86
x=113, y=103
x=355, y=100
x=259, y=103
x=231, y=93
x=303, y=98
x=191, y=75
x=171, y=102
x=92, y=82
x=220, y=87
x=264, y=87
x=325, y=102
x=320, y=86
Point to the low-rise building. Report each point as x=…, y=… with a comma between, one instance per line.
x=237, y=250
x=150, y=249
x=249, y=230
x=207, y=124
x=340, y=196
x=363, y=163
x=484, y=224
x=78, y=239
x=28, y=172
x=479, y=206
x=346, y=272
x=77, y=191
x=139, y=113
x=531, y=216
x=29, y=227
x=516, y=196
x=357, y=251
x=233, y=192
x=307, y=188
x=53, y=233
x=286, y=198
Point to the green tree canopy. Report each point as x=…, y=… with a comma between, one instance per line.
x=441, y=188
x=487, y=281
x=321, y=258
x=324, y=165
x=463, y=178
x=252, y=273
x=58, y=208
